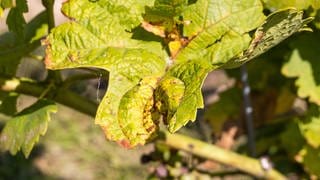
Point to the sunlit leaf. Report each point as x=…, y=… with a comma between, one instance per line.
x=277, y=27
x=300, y=4
x=218, y=30
x=159, y=76
x=4, y=4
x=310, y=160
x=137, y=117
x=304, y=65
x=24, y=130
x=192, y=74
x=310, y=126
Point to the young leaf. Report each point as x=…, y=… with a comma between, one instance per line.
x=276, y=28
x=24, y=130
x=310, y=127
x=304, y=65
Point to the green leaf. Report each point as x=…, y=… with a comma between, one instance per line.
x=227, y=108
x=4, y=4
x=219, y=30
x=137, y=118
x=15, y=19
x=8, y=102
x=144, y=82
x=310, y=160
x=291, y=132
x=24, y=130
x=37, y=28
x=12, y=51
x=281, y=4
x=192, y=74
x=310, y=126
x=277, y=27
x=165, y=11
x=303, y=64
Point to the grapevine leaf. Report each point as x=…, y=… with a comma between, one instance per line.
x=310, y=127
x=305, y=4
x=241, y=16
x=135, y=116
x=292, y=131
x=4, y=4
x=225, y=109
x=192, y=74
x=8, y=103
x=277, y=27
x=165, y=12
x=24, y=130
x=12, y=51
x=127, y=67
x=15, y=19
x=100, y=38
x=107, y=19
x=310, y=160
x=169, y=94
x=219, y=30
x=143, y=81
x=303, y=64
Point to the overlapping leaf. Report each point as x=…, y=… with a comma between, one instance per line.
x=277, y=27
x=24, y=130
x=280, y=4
x=192, y=74
x=304, y=65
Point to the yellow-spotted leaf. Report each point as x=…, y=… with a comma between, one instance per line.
x=137, y=117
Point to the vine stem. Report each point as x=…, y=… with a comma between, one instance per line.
x=248, y=110
x=63, y=96
x=215, y=153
